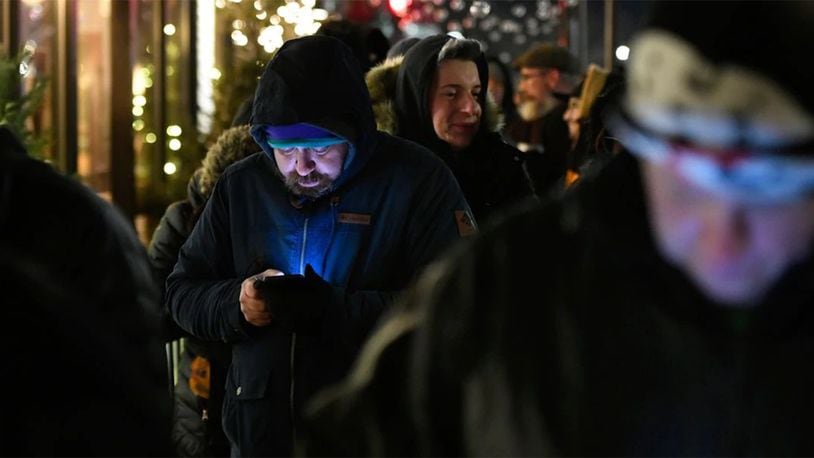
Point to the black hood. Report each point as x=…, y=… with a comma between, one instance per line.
x=413, y=91
x=317, y=80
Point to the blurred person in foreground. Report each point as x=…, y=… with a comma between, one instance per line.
x=678, y=319
x=81, y=323
x=301, y=248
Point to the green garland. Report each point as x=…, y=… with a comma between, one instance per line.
x=17, y=106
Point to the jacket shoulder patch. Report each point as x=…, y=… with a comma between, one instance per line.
x=354, y=218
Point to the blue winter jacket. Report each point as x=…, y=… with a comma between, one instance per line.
x=394, y=208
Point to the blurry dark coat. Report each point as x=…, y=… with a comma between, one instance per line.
x=608, y=352
x=191, y=434
x=546, y=144
x=84, y=355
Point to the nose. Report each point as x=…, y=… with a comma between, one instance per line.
x=305, y=163
x=727, y=230
x=470, y=105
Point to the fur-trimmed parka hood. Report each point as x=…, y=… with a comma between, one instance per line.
x=233, y=145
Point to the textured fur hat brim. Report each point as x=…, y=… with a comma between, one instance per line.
x=381, y=83
x=233, y=145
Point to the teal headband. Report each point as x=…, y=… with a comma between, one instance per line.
x=304, y=142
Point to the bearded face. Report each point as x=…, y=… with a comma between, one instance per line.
x=310, y=172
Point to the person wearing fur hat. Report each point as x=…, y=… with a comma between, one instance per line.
x=202, y=369
x=435, y=95
x=678, y=318
x=302, y=247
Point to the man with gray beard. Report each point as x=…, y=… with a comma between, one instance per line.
x=546, y=75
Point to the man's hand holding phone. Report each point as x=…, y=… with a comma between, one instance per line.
x=297, y=303
x=252, y=303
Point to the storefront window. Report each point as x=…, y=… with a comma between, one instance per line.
x=147, y=134
x=166, y=146
x=37, y=36
x=93, y=94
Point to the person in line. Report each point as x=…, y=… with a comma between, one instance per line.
x=548, y=73
x=501, y=89
x=436, y=96
x=203, y=365
x=301, y=248
x=677, y=320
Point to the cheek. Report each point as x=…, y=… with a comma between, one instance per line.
x=784, y=234
x=331, y=167
x=285, y=164
x=440, y=114
x=675, y=218
x=677, y=230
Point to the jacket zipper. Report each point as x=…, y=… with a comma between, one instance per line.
x=294, y=343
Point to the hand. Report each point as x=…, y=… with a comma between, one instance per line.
x=252, y=304
x=298, y=303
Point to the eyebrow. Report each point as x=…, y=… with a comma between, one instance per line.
x=456, y=86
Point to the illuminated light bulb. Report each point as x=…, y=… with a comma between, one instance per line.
x=399, y=7
x=480, y=9
x=622, y=53
x=319, y=14
x=174, y=130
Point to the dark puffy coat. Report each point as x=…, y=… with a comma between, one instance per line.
x=490, y=171
x=83, y=354
x=392, y=210
x=546, y=144
x=609, y=351
x=196, y=427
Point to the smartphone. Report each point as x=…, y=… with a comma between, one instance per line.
x=293, y=281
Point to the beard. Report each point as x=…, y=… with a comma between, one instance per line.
x=530, y=110
x=293, y=183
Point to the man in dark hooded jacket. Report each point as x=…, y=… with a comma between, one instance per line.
x=301, y=247
x=679, y=320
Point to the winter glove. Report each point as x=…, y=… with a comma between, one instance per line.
x=297, y=302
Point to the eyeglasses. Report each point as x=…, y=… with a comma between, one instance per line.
x=528, y=76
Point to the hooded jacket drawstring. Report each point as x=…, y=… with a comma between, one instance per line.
x=334, y=203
